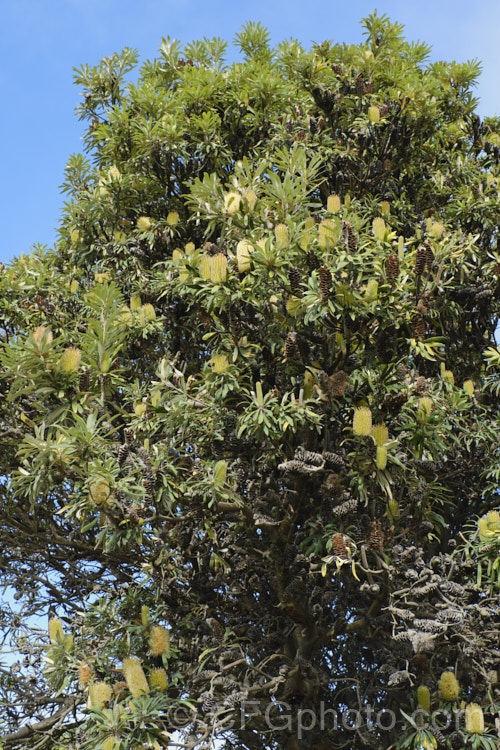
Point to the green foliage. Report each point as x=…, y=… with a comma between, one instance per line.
x=250, y=255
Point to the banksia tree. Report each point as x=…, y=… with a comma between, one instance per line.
x=228, y=445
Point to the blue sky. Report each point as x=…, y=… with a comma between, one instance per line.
x=41, y=41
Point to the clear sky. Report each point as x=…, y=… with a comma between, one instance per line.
x=42, y=40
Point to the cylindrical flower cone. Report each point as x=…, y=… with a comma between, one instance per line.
x=474, y=719
x=158, y=679
x=135, y=677
x=449, y=687
x=362, y=421
x=99, y=694
x=159, y=641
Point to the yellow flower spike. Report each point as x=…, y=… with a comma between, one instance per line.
x=189, y=248
x=84, y=673
x=385, y=207
x=135, y=677
x=449, y=687
x=327, y=233
x=172, y=218
x=393, y=509
x=380, y=434
x=437, y=230
x=371, y=290
x=144, y=614
x=474, y=719
x=100, y=278
x=143, y=224
x=425, y=407
x=258, y=393
x=309, y=382
x=281, y=234
x=424, y=697
x=148, y=312
x=381, y=457
x=159, y=641
x=70, y=360
x=100, y=492
x=139, y=409
x=379, y=227
x=469, y=388
x=489, y=526
x=99, y=694
x=41, y=333
x=75, y=236
x=114, y=173
x=220, y=472
x=220, y=363
x=250, y=198
x=74, y=286
x=218, y=268
x=243, y=250
x=204, y=267
x=119, y=236
x=401, y=248
x=362, y=421
x=232, y=202
x=333, y=204
x=374, y=114
x=135, y=302
x=56, y=633
x=158, y=679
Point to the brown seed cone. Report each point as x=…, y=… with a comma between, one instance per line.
x=421, y=661
x=429, y=255
x=392, y=266
x=418, y=328
x=360, y=85
x=376, y=536
x=128, y=435
x=351, y=243
x=148, y=485
x=395, y=401
x=312, y=260
x=337, y=384
x=421, y=385
x=424, y=303
x=420, y=260
x=336, y=69
x=205, y=318
x=339, y=547
x=325, y=282
x=123, y=452
x=39, y=301
x=84, y=379
x=295, y=281
x=332, y=486
x=290, y=348
x=216, y=628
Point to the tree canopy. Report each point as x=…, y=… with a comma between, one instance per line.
x=250, y=400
